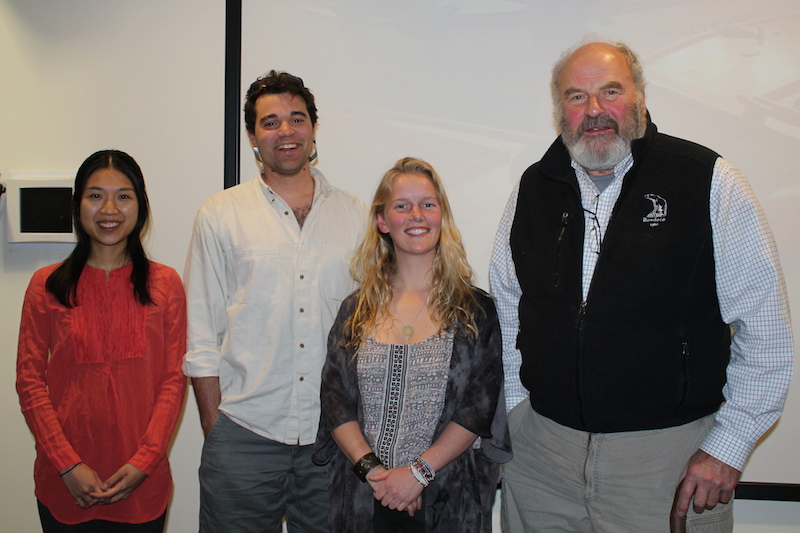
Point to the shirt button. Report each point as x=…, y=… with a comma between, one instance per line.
x=286, y=212
x=302, y=310
x=302, y=345
x=302, y=378
x=302, y=276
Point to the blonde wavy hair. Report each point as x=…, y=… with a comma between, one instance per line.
x=374, y=266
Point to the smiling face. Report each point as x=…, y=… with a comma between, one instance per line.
x=412, y=216
x=108, y=211
x=601, y=110
x=283, y=134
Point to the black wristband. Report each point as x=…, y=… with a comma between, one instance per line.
x=68, y=470
x=365, y=464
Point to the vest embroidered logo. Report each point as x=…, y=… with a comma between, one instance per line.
x=659, y=212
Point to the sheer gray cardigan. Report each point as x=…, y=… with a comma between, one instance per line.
x=461, y=497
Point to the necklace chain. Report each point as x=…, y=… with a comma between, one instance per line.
x=408, y=330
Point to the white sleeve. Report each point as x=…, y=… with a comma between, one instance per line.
x=753, y=300
x=206, y=299
x=506, y=291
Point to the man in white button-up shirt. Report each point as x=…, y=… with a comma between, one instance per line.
x=266, y=272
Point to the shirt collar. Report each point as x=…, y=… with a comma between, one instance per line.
x=586, y=184
x=620, y=169
x=322, y=188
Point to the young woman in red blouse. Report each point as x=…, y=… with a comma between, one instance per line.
x=99, y=363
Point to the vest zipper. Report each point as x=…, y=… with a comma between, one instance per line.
x=579, y=371
x=559, y=241
x=685, y=376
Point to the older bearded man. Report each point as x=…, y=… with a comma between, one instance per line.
x=623, y=260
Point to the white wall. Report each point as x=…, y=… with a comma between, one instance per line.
x=465, y=85
x=75, y=77
x=462, y=83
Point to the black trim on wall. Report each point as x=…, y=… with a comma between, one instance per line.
x=783, y=492
x=233, y=86
x=789, y=492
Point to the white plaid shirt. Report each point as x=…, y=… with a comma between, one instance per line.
x=750, y=288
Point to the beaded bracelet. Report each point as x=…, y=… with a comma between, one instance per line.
x=422, y=471
x=427, y=467
x=418, y=475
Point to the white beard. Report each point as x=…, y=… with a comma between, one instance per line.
x=586, y=156
x=602, y=154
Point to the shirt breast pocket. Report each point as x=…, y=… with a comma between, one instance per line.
x=257, y=272
x=334, y=275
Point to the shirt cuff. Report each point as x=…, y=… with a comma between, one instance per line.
x=727, y=447
x=146, y=460
x=195, y=366
x=64, y=459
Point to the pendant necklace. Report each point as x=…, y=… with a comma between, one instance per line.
x=408, y=330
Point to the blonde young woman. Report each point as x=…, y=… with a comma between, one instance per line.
x=413, y=421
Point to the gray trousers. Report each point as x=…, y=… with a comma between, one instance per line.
x=562, y=479
x=249, y=483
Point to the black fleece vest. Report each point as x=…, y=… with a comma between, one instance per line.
x=648, y=348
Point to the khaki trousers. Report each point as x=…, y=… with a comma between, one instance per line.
x=562, y=479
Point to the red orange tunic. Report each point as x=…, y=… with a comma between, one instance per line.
x=101, y=384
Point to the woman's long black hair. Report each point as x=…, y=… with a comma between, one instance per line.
x=63, y=282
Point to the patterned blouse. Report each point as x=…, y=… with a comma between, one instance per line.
x=403, y=388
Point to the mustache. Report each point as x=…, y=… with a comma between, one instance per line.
x=600, y=121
